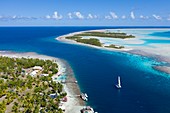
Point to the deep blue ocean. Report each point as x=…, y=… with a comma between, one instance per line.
x=144, y=90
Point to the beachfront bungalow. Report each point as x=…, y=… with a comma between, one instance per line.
x=44, y=75
x=37, y=68
x=33, y=73
x=64, y=99
x=53, y=95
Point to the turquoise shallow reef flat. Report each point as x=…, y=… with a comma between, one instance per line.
x=144, y=90
x=161, y=34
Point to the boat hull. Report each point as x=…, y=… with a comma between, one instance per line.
x=118, y=87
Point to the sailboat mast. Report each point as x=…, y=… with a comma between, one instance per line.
x=119, y=81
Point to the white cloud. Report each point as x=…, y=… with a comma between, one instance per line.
x=95, y=16
x=3, y=17
x=157, y=17
x=54, y=16
x=123, y=17
x=70, y=15
x=113, y=15
x=15, y=17
x=108, y=17
x=90, y=16
x=57, y=16
x=143, y=17
x=48, y=16
x=79, y=15
x=132, y=15
x=25, y=18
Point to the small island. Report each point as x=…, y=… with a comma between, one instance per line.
x=26, y=86
x=79, y=37
x=106, y=34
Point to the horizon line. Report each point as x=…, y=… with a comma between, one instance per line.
x=128, y=26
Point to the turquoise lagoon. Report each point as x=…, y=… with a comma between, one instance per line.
x=144, y=90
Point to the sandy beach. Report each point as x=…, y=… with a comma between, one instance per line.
x=74, y=104
x=160, y=52
x=63, y=39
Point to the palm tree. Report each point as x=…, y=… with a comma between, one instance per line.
x=2, y=107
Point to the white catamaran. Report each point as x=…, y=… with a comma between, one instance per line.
x=118, y=85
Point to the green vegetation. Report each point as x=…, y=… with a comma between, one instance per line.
x=106, y=34
x=114, y=46
x=91, y=41
x=25, y=93
x=96, y=42
x=73, y=37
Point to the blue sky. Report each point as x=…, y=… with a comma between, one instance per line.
x=84, y=13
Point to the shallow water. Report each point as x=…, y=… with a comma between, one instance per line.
x=161, y=34
x=144, y=90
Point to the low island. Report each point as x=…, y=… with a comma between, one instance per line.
x=125, y=41
x=92, y=40
x=26, y=85
x=30, y=83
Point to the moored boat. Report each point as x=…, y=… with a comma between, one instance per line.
x=118, y=85
x=87, y=109
x=84, y=97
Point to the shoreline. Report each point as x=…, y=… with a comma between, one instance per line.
x=73, y=104
x=162, y=68
x=73, y=90
x=63, y=39
x=131, y=50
